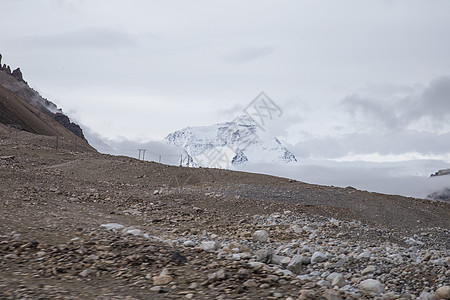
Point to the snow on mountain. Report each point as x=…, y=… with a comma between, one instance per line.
x=235, y=143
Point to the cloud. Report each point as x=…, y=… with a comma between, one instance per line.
x=434, y=101
x=246, y=54
x=394, y=112
x=387, y=143
x=91, y=37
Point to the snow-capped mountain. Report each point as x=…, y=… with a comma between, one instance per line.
x=234, y=143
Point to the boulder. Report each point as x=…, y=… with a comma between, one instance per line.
x=372, y=286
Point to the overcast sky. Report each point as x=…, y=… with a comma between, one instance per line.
x=355, y=79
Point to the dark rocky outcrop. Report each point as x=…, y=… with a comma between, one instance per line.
x=65, y=121
x=17, y=74
x=441, y=173
x=442, y=195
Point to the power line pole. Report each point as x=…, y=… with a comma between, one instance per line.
x=143, y=153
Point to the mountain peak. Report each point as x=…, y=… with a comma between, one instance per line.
x=224, y=144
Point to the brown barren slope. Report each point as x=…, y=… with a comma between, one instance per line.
x=193, y=233
x=15, y=111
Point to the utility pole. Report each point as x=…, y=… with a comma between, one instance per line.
x=160, y=159
x=181, y=160
x=143, y=153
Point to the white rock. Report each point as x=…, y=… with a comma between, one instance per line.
x=371, y=285
x=426, y=296
x=85, y=272
x=260, y=236
x=324, y=283
x=295, y=265
x=368, y=270
x=443, y=292
x=285, y=261
x=365, y=255
x=236, y=256
x=338, y=281
x=277, y=259
x=133, y=231
x=318, y=257
x=112, y=226
x=209, y=246
x=189, y=243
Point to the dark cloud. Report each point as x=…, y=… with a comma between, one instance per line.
x=82, y=38
x=398, y=112
x=249, y=53
x=434, y=101
x=373, y=112
x=396, y=142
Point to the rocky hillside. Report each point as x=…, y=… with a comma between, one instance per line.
x=81, y=225
x=14, y=82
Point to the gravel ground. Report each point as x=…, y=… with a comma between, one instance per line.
x=91, y=226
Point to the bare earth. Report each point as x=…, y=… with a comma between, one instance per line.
x=190, y=233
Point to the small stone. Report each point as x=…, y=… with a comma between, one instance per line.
x=189, y=243
x=277, y=295
x=112, y=226
x=365, y=255
x=331, y=295
x=338, y=281
x=295, y=265
x=85, y=272
x=264, y=256
x=236, y=257
x=250, y=283
x=325, y=283
x=285, y=261
x=318, y=257
x=443, y=292
x=178, y=258
x=11, y=256
x=155, y=288
x=41, y=254
x=371, y=285
x=368, y=270
x=260, y=236
x=209, y=246
x=426, y=296
x=193, y=286
x=155, y=192
x=162, y=279
x=189, y=296
x=276, y=259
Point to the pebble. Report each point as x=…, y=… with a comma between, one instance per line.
x=371, y=285
x=318, y=257
x=443, y=292
x=209, y=246
x=260, y=236
x=189, y=243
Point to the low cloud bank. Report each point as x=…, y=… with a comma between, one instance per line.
x=154, y=151
x=408, y=178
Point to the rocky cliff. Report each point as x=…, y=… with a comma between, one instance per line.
x=14, y=82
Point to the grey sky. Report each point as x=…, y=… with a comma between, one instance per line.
x=344, y=72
